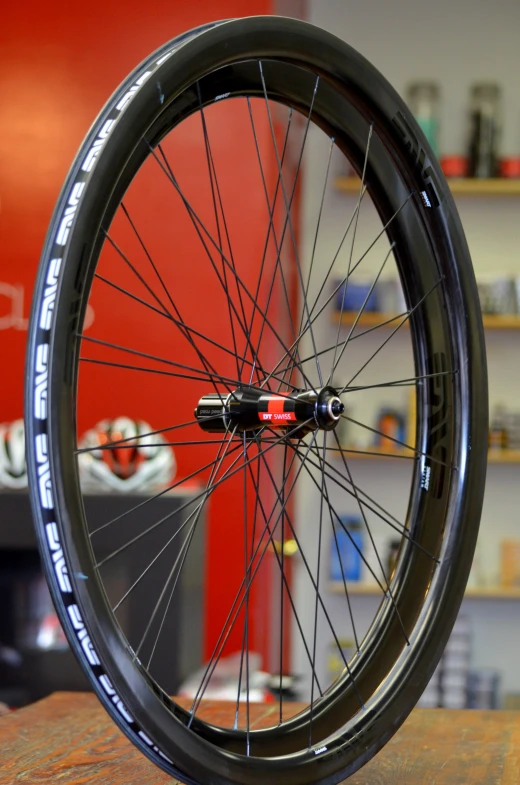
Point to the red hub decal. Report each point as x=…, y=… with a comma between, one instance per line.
x=276, y=411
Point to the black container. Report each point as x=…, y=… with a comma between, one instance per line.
x=485, y=130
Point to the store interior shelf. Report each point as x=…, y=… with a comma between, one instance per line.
x=375, y=318
x=472, y=592
x=468, y=186
x=386, y=453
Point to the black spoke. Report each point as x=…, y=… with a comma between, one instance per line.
x=237, y=605
x=282, y=557
x=201, y=228
x=247, y=576
x=303, y=330
x=315, y=316
x=253, y=536
x=294, y=535
x=344, y=581
x=335, y=475
x=214, y=192
x=284, y=579
x=336, y=360
x=358, y=210
x=157, y=371
x=318, y=574
x=271, y=209
x=352, y=451
x=383, y=571
x=409, y=382
x=318, y=224
x=401, y=444
x=336, y=289
x=202, y=375
x=288, y=206
x=227, y=475
x=403, y=321
x=168, y=489
x=113, y=445
x=184, y=549
x=170, y=318
x=278, y=269
x=325, y=496
x=179, y=321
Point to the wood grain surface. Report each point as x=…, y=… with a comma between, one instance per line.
x=68, y=739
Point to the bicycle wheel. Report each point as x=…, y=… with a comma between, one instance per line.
x=154, y=217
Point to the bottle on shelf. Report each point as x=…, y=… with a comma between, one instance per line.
x=497, y=429
x=423, y=99
x=485, y=129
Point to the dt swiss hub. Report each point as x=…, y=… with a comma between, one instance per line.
x=251, y=408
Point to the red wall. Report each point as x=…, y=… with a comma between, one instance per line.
x=58, y=65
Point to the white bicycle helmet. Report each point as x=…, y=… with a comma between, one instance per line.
x=13, y=469
x=141, y=462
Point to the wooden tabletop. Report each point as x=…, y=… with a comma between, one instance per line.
x=69, y=740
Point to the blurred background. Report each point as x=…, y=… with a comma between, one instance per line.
x=457, y=66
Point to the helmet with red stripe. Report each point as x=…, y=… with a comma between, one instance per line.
x=123, y=454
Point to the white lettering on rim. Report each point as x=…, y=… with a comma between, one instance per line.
x=44, y=474
x=60, y=568
x=40, y=392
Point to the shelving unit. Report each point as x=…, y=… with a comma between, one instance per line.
x=375, y=318
x=459, y=186
x=489, y=215
x=472, y=592
x=381, y=453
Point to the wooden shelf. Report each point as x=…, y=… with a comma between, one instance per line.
x=504, y=456
x=375, y=453
x=469, y=186
x=496, y=322
x=374, y=318
x=472, y=592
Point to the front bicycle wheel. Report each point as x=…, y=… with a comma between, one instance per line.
x=152, y=214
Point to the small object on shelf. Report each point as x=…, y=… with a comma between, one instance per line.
x=510, y=563
x=459, y=186
x=336, y=657
x=352, y=294
x=390, y=297
x=510, y=167
x=483, y=689
x=512, y=423
x=454, y=166
x=454, y=666
x=516, y=287
x=512, y=701
x=391, y=556
x=432, y=696
x=346, y=564
x=497, y=429
x=423, y=100
x=477, y=578
x=497, y=294
x=391, y=424
x=483, y=146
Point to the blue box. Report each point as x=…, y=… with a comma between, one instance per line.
x=353, y=296
x=350, y=546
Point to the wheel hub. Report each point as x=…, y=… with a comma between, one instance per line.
x=250, y=408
